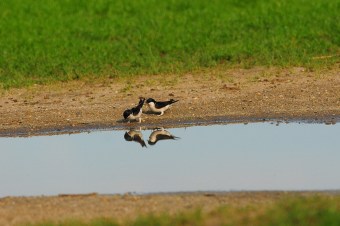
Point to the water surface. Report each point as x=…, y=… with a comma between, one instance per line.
x=258, y=156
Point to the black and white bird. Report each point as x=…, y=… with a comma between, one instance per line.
x=159, y=106
x=136, y=112
x=135, y=135
x=160, y=134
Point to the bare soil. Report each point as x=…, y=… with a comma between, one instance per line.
x=234, y=94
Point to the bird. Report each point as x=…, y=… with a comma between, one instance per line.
x=159, y=106
x=136, y=112
x=160, y=134
x=135, y=135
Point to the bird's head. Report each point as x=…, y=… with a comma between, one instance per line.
x=150, y=100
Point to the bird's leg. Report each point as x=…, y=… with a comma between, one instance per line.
x=139, y=120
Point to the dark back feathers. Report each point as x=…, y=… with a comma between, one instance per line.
x=163, y=104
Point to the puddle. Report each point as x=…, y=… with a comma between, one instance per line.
x=256, y=156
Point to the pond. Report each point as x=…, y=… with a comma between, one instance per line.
x=231, y=157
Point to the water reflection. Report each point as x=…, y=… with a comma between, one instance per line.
x=136, y=136
x=258, y=156
x=156, y=135
x=160, y=134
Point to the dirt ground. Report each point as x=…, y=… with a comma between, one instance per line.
x=25, y=210
x=233, y=94
x=205, y=96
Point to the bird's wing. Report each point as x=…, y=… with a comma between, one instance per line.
x=173, y=101
x=162, y=104
x=164, y=137
x=135, y=110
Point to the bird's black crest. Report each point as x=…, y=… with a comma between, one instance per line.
x=127, y=137
x=150, y=100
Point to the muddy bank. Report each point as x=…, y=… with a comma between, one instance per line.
x=59, y=130
x=241, y=95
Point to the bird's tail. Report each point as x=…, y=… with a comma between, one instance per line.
x=173, y=101
x=141, y=102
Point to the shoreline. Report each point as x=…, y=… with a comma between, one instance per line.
x=233, y=95
x=50, y=131
x=207, y=193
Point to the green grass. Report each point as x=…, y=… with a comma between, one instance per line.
x=42, y=41
x=297, y=211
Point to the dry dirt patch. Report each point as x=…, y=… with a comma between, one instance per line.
x=24, y=210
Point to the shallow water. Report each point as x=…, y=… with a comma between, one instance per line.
x=257, y=156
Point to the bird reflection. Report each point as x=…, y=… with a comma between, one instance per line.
x=135, y=135
x=160, y=134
